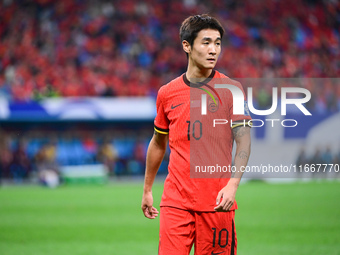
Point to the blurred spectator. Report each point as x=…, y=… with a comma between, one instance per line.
x=107, y=155
x=45, y=159
x=47, y=166
x=90, y=146
x=302, y=160
x=316, y=160
x=327, y=157
x=20, y=166
x=136, y=165
x=5, y=156
x=337, y=161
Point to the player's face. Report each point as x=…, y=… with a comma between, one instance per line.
x=206, y=49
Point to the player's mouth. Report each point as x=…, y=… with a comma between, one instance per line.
x=212, y=60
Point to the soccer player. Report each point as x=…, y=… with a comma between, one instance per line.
x=196, y=211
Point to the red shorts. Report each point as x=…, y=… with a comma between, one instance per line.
x=211, y=233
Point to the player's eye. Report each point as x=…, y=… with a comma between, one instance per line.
x=206, y=43
x=218, y=43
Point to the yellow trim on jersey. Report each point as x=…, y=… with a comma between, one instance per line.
x=161, y=132
x=237, y=125
x=246, y=124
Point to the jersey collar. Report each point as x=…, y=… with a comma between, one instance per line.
x=199, y=84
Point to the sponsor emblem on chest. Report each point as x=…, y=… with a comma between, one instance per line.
x=212, y=105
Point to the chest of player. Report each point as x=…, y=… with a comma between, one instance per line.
x=186, y=121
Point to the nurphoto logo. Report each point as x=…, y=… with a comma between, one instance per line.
x=242, y=107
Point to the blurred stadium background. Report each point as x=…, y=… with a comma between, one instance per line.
x=78, y=83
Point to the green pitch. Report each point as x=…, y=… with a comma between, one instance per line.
x=296, y=218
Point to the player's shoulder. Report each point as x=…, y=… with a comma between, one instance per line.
x=228, y=79
x=171, y=86
x=220, y=75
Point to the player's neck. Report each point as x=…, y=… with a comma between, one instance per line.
x=197, y=73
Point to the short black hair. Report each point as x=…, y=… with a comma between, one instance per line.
x=193, y=24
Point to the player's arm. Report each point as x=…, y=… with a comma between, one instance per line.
x=154, y=157
x=226, y=197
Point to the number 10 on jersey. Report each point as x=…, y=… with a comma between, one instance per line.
x=196, y=126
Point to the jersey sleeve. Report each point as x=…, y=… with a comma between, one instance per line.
x=161, y=121
x=244, y=119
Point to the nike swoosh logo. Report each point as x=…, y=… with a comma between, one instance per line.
x=215, y=253
x=174, y=106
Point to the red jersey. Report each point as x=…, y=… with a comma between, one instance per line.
x=194, y=140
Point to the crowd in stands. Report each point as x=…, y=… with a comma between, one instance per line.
x=130, y=48
x=322, y=162
x=122, y=152
x=25, y=156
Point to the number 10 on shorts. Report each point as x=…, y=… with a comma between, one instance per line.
x=222, y=236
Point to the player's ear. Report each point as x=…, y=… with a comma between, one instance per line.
x=186, y=46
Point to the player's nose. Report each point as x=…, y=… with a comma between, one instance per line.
x=212, y=50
